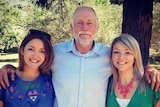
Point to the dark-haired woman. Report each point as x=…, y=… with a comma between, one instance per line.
x=32, y=86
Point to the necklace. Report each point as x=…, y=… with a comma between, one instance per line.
x=125, y=89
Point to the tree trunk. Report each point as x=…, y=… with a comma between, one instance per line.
x=137, y=21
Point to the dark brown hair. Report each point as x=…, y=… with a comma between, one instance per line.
x=45, y=68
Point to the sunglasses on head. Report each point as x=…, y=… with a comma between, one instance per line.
x=39, y=33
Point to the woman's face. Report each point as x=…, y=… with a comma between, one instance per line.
x=122, y=57
x=34, y=54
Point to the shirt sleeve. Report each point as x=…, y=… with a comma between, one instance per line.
x=157, y=97
x=1, y=94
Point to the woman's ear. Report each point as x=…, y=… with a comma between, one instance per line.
x=22, y=51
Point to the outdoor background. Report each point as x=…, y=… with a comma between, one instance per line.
x=17, y=16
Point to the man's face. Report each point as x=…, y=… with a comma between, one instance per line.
x=84, y=26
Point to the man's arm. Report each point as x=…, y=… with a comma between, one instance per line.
x=153, y=76
x=4, y=71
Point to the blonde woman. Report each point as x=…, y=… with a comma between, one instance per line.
x=129, y=88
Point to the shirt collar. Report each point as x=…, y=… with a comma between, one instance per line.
x=71, y=48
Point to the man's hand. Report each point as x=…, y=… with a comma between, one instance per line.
x=4, y=71
x=153, y=76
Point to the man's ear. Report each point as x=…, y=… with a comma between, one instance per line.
x=71, y=26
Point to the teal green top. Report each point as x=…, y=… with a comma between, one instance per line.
x=138, y=100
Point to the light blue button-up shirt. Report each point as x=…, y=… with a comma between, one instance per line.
x=80, y=80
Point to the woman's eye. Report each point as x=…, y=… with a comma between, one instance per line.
x=30, y=49
x=115, y=52
x=43, y=51
x=128, y=53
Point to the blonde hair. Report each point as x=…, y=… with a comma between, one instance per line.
x=138, y=68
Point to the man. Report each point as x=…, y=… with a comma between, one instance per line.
x=81, y=67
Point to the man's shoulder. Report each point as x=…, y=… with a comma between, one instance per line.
x=102, y=47
x=62, y=44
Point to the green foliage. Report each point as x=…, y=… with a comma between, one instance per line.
x=17, y=19
x=54, y=20
x=9, y=17
x=155, y=41
x=110, y=19
x=103, y=2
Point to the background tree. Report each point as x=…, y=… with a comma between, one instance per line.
x=155, y=40
x=137, y=21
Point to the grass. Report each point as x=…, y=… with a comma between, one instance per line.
x=4, y=56
x=157, y=67
x=8, y=59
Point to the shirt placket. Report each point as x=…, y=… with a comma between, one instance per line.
x=81, y=84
